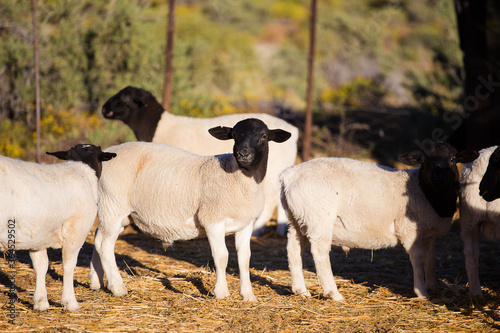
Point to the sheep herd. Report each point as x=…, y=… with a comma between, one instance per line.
x=227, y=175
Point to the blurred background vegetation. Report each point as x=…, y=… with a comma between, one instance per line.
x=386, y=71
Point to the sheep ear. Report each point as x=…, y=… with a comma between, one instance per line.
x=466, y=156
x=221, y=133
x=412, y=159
x=106, y=156
x=62, y=155
x=279, y=135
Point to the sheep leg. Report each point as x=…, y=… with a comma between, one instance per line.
x=216, y=238
x=416, y=253
x=40, y=265
x=242, y=242
x=430, y=264
x=70, y=257
x=320, y=249
x=96, y=274
x=296, y=244
x=471, y=252
x=105, y=240
x=282, y=220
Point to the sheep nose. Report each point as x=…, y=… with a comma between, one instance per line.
x=244, y=154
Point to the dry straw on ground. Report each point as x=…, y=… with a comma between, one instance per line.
x=172, y=291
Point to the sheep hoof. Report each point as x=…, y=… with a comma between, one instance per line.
x=478, y=297
x=305, y=293
x=421, y=295
x=94, y=285
x=336, y=296
x=70, y=305
x=118, y=291
x=249, y=298
x=94, y=282
x=41, y=305
x=221, y=294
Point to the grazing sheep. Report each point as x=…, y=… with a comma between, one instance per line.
x=479, y=210
x=357, y=204
x=172, y=194
x=140, y=110
x=50, y=206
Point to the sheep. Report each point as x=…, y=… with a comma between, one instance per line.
x=479, y=210
x=140, y=110
x=52, y=206
x=349, y=203
x=171, y=194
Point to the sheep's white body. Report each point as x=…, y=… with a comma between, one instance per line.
x=348, y=203
x=476, y=215
x=174, y=195
x=194, y=137
x=53, y=206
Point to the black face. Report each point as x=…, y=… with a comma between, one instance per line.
x=489, y=188
x=251, y=137
x=86, y=153
x=120, y=105
x=439, y=167
x=250, y=142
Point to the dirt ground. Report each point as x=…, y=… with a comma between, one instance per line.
x=171, y=290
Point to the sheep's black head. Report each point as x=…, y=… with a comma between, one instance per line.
x=126, y=101
x=86, y=153
x=438, y=174
x=251, y=137
x=489, y=188
x=137, y=108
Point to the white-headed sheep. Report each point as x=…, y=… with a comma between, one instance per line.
x=140, y=110
x=172, y=194
x=50, y=206
x=353, y=204
x=479, y=209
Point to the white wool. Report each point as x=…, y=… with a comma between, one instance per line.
x=348, y=203
x=194, y=137
x=53, y=206
x=174, y=195
x=476, y=215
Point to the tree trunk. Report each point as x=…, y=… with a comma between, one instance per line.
x=306, y=141
x=479, y=42
x=37, y=80
x=169, y=54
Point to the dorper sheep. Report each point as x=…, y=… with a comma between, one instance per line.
x=353, y=204
x=52, y=206
x=479, y=209
x=172, y=194
x=140, y=110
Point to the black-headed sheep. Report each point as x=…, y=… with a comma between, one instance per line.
x=172, y=194
x=140, y=110
x=353, y=204
x=479, y=209
x=50, y=206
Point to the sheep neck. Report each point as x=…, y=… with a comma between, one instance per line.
x=444, y=202
x=257, y=170
x=144, y=121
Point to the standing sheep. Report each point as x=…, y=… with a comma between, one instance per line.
x=172, y=194
x=357, y=204
x=479, y=210
x=140, y=110
x=50, y=206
